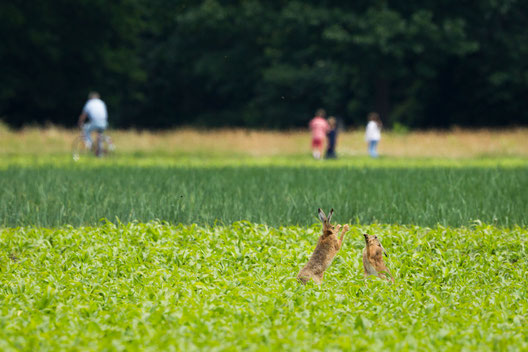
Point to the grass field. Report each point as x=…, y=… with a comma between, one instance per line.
x=52, y=196
x=161, y=287
x=191, y=240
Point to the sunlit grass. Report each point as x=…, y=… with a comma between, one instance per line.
x=160, y=287
x=211, y=160
x=225, y=142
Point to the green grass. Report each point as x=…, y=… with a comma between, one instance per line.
x=214, y=159
x=130, y=283
x=161, y=287
x=274, y=195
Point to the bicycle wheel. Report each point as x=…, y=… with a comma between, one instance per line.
x=79, y=148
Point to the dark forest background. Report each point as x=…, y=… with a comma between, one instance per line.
x=265, y=63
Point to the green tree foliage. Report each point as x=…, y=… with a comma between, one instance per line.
x=55, y=51
x=266, y=63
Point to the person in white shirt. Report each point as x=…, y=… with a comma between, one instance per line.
x=373, y=134
x=95, y=111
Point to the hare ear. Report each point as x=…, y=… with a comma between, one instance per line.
x=330, y=214
x=383, y=250
x=322, y=215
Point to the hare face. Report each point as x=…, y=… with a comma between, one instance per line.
x=329, y=229
x=371, y=240
x=373, y=244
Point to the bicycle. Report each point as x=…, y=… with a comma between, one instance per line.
x=81, y=149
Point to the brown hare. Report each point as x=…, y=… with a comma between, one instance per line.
x=373, y=259
x=327, y=247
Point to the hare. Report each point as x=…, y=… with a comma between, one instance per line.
x=327, y=247
x=373, y=260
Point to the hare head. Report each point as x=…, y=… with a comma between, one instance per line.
x=372, y=242
x=328, y=228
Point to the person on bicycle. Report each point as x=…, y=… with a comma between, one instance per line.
x=95, y=110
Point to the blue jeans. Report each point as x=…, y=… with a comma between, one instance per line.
x=373, y=148
x=88, y=128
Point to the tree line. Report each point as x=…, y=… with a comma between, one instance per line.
x=265, y=63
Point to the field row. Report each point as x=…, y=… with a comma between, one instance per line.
x=53, y=196
x=160, y=287
x=213, y=161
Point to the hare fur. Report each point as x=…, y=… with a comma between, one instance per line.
x=327, y=247
x=373, y=258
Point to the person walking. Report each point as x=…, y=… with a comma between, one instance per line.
x=95, y=111
x=373, y=133
x=319, y=127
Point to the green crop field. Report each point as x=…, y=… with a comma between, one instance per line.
x=163, y=287
x=273, y=195
x=199, y=251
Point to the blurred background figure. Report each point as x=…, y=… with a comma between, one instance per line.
x=95, y=111
x=319, y=127
x=373, y=133
x=331, y=138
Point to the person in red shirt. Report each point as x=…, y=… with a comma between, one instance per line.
x=319, y=127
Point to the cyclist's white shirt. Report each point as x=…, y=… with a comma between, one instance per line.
x=96, y=111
